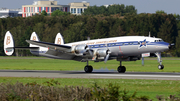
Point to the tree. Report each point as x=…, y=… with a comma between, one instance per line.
x=177, y=16
x=58, y=13
x=44, y=13
x=160, y=12
x=111, y=9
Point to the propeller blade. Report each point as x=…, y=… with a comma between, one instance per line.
x=90, y=52
x=171, y=45
x=107, y=57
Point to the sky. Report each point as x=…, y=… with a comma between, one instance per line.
x=142, y=6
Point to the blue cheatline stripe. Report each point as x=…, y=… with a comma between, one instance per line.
x=127, y=44
x=159, y=43
x=131, y=43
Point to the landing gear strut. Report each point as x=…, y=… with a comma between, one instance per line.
x=121, y=69
x=88, y=68
x=160, y=67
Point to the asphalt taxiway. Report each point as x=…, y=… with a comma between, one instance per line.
x=95, y=74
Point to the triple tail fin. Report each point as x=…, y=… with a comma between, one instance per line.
x=8, y=44
x=59, y=39
x=34, y=37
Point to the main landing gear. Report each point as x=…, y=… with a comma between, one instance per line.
x=160, y=67
x=121, y=69
x=88, y=68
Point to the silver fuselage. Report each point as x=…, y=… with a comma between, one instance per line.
x=119, y=46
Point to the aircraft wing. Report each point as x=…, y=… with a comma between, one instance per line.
x=50, y=45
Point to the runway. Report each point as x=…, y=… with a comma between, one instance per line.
x=95, y=74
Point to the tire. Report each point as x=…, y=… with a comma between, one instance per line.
x=161, y=67
x=121, y=69
x=88, y=69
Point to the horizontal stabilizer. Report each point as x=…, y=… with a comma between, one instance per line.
x=23, y=47
x=49, y=45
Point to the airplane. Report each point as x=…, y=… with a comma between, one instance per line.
x=124, y=48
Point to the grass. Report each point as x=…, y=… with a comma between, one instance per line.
x=150, y=88
x=39, y=63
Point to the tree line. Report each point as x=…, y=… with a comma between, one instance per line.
x=78, y=28
x=111, y=9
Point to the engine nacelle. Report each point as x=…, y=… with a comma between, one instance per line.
x=101, y=52
x=79, y=49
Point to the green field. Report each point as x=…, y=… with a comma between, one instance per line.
x=150, y=88
x=39, y=63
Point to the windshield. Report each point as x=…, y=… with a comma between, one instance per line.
x=158, y=40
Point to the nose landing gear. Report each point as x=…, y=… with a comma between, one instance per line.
x=160, y=67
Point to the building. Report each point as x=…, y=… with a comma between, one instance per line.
x=4, y=12
x=38, y=6
x=78, y=7
x=50, y=5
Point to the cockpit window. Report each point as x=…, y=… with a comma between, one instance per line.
x=158, y=41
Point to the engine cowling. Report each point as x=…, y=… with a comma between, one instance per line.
x=101, y=52
x=79, y=49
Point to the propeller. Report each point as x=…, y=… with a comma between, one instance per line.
x=88, y=49
x=108, y=53
x=107, y=56
x=171, y=45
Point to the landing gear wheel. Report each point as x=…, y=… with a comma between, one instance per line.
x=160, y=67
x=121, y=69
x=88, y=69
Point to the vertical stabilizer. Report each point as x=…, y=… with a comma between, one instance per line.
x=34, y=37
x=59, y=39
x=39, y=50
x=8, y=44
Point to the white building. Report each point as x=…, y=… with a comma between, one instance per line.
x=4, y=12
x=50, y=5
x=78, y=7
x=38, y=6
